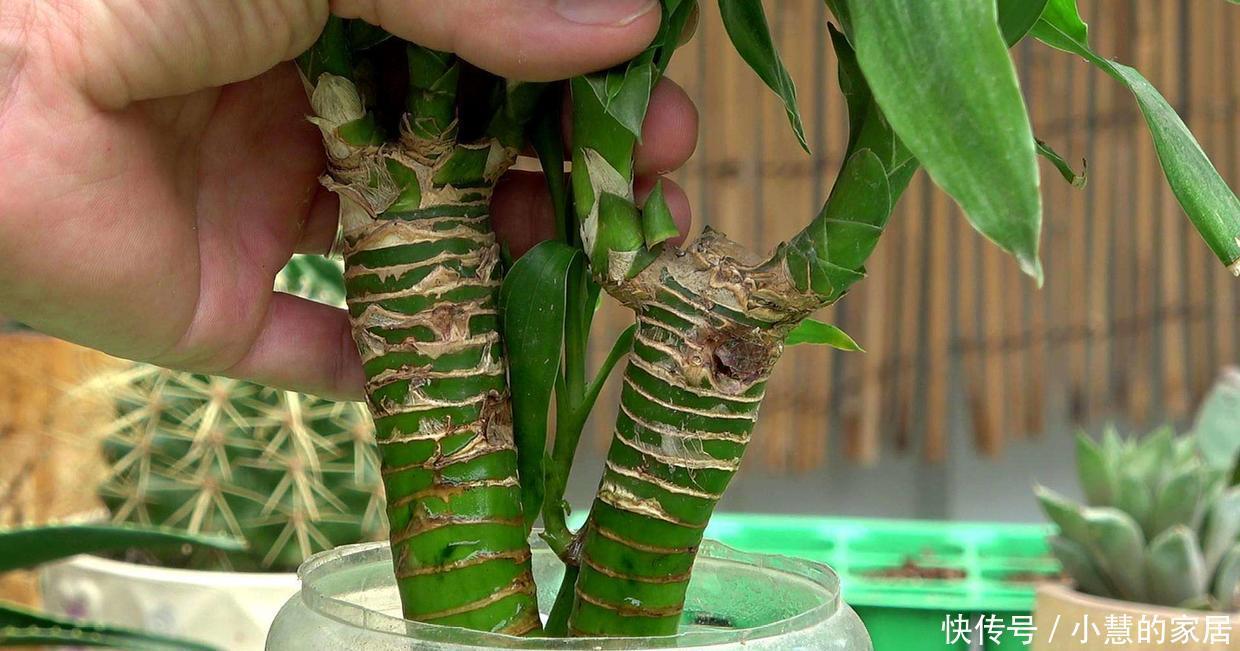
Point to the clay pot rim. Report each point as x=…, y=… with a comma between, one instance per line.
x=1067, y=593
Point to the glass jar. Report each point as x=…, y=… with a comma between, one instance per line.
x=736, y=600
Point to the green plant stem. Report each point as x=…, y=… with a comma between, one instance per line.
x=711, y=321
x=557, y=619
x=422, y=274
x=568, y=434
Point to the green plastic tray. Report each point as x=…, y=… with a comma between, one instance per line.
x=999, y=562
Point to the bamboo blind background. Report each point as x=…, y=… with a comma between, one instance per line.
x=1135, y=318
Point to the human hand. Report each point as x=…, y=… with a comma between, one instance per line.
x=159, y=170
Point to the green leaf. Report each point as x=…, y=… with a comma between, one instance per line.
x=1226, y=578
x=22, y=627
x=1149, y=456
x=532, y=302
x=625, y=95
x=523, y=99
x=1061, y=27
x=546, y=137
x=314, y=277
x=810, y=331
x=619, y=227
x=857, y=95
x=1222, y=528
x=1179, y=502
x=1136, y=499
x=830, y=252
x=1098, y=479
x=658, y=224
x=746, y=25
x=1065, y=170
x=1112, y=444
x=1017, y=17
x=1217, y=428
x=25, y=547
x=1211, y=206
x=676, y=15
x=942, y=75
x=1118, y=547
x=1175, y=571
x=559, y=463
x=829, y=255
x=1064, y=513
x=1076, y=561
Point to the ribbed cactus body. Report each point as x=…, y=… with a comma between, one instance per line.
x=289, y=473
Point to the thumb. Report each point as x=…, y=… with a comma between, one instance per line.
x=530, y=40
x=128, y=50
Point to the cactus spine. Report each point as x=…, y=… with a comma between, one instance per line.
x=290, y=474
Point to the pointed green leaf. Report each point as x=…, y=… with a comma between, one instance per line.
x=943, y=77
x=559, y=463
x=831, y=250
x=658, y=224
x=745, y=22
x=810, y=331
x=1118, y=547
x=1149, y=457
x=547, y=139
x=1227, y=580
x=1222, y=528
x=1217, y=428
x=1136, y=499
x=24, y=547
x=1179, y=502
x=1065, y=170
x=1175, y=571
x=532, y=302
x=315, y=277
x=1112, y=444
x=1060, y=26
x=625, y=95
x=857, y=95
x=1211, y=206
x=619, y=227
x=1200, y=190
x=1098, y=478
x=1066, y=514
x=1076, y=561
x=20, y=626
x=1017, y=17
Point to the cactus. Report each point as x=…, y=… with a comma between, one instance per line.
x=289, y=473
x=1162, y=523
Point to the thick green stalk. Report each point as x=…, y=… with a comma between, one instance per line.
x=692, y=388
x=711, y=320
x=422, y=275
x=422, y=293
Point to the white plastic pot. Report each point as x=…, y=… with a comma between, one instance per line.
x=230, y=610
x=737, y=601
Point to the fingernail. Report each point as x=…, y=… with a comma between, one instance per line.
x=616, y=13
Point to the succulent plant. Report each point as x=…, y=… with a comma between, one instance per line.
x=1162, y=523
x=289, y=473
